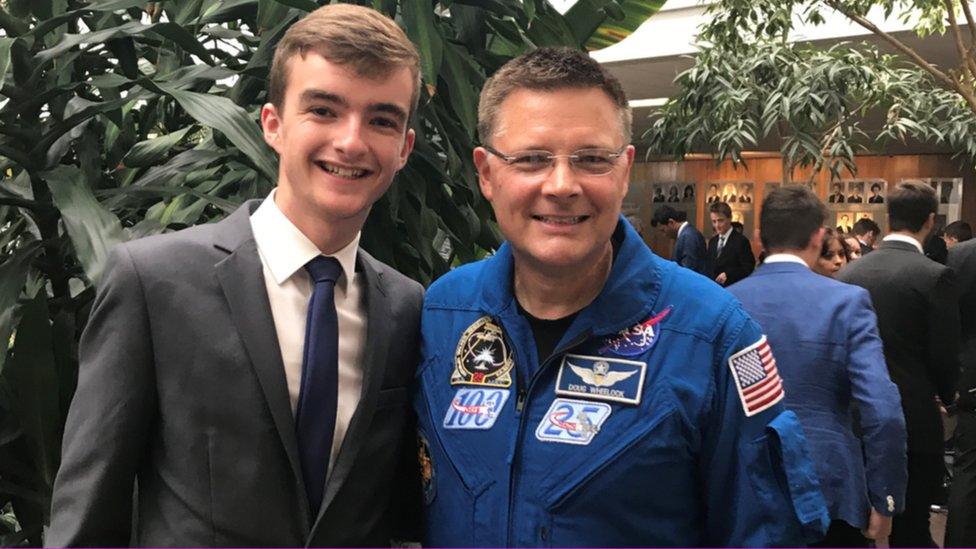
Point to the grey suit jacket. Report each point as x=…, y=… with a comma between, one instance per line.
x=181, y=390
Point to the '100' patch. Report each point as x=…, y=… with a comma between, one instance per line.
x=475, y=408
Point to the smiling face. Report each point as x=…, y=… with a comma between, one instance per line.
x=563, y=219
x=341, y=138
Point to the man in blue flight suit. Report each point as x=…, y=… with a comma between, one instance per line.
x=576, y=390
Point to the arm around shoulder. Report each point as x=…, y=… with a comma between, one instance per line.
x=109, y=421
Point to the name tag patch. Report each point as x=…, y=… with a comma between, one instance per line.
x=572, y=421
x=601, y=378
x=475, y=408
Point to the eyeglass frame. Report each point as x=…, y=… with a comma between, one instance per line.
x=509, y=159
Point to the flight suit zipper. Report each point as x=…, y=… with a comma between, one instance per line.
x=521, y=398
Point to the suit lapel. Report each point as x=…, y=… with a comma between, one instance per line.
x=241, y=277
x=377, y=344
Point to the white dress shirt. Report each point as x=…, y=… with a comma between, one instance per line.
x=905, y=238
x=284, y=251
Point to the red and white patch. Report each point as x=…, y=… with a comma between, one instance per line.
x=756, y=377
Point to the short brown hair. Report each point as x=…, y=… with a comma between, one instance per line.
x=789, y=216
x=362, y=39
x=549, y=69
x=720, y=208
x=909, y=206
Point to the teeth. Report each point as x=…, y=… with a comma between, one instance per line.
x=348, y=173
x=561, y=220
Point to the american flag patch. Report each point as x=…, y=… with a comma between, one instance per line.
x=756, y=377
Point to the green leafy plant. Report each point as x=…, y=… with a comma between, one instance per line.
x=751, y=84
x=125, y=118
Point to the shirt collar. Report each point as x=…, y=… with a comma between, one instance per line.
x=905, y=238
x=785, y=258
x=285, y=249
x=682, y=227
x=725, y=236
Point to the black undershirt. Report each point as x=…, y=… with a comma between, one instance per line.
x=547, y=333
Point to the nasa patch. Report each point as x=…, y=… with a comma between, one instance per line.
x=475, y=408
x=572, y=421
x=482, y=356
x=636, y=339
x=601, y=378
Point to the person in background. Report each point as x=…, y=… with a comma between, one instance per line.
x=729, y=258
x=853, y=248
x=956, y=232
x=961, y=524
x=825, y=336
x=833, y=254
x=576, y=389
x=935, y=247
x=918, y=318
x=866, y=231
x=689, y=244
x=875, y=197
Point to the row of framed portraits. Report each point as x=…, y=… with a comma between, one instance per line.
x=847, y=200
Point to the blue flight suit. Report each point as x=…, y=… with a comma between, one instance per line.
x=647, y=443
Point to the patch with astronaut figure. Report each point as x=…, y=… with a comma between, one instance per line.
x=601, y=378
x=572, y=421
x=637, y=339
x=475, y=408
x=482, y=356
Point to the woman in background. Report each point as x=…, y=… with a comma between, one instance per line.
x=833, y=253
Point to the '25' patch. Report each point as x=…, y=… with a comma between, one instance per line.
x=572, y=421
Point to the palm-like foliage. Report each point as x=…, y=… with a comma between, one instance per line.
x=125, y=118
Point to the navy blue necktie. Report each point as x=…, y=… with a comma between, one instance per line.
x=316, y=414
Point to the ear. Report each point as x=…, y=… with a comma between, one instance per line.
x=408, y=141
x=629, y=154
x=484, y=171
x=271, y=126
x=816, y=240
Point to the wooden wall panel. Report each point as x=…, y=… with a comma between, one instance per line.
x=761, y=169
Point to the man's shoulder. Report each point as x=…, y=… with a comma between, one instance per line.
x=179, y=246
x=698, y=305
x=460, y=285
x=398, y=282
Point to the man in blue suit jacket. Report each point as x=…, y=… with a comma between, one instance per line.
x=825, y=337
x=689, y=245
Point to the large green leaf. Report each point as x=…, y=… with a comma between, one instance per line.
x=421, y=26
x=151, y=151
x=614, y=30
x=32, y=378
x=222, y=114
x=5, y=44
x=13, y=274
x=93, y=229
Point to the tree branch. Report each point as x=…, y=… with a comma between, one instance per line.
x=970, y=22
x=942, y=77
x=966, y=66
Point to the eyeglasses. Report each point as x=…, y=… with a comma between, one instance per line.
x=583, y=161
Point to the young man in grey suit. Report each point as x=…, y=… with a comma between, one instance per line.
x=918, y=318
x=250, y=376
